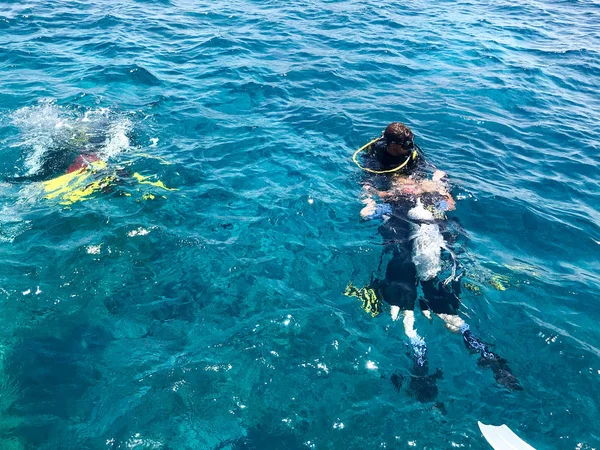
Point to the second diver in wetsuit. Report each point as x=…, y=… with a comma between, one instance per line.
x=76, y=169
x=415, y=230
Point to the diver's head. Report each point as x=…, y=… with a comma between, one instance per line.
x=399, y=140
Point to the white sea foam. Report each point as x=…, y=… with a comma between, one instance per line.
x=94, y=249
x=40, y=127
x=139, y=232
x=117, y=140
x=48, y=127
x=12, y=223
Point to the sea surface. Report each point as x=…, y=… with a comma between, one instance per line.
x=195, y=299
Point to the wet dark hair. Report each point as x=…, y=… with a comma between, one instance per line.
x=398, y=133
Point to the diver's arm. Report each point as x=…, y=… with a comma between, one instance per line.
x=404, y=187
x=369, y=208
x=372, y=209
x=440, y=177
x=367, y=199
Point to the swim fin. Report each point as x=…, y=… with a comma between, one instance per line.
x=503, y=438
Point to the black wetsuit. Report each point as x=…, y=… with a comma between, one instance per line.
x=399, y=287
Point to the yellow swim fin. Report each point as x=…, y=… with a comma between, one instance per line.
x=145, y=180
x=74, y=186
x=371, y=302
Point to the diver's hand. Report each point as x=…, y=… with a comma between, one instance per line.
x=369, y=210
x=439, y=175
x=376, y=211
x=450, y=203
x=369, y=191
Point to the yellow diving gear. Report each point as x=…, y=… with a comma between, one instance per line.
x=144, y=180
x=73, y=187
x=472, y=287
x=371, y=302
x=413, y=156
x=81, y=184
x=500, y=282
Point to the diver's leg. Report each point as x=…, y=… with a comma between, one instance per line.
x=497, y=364
x=444, y=301
x=423, y=385
x=453, y=322
x=401, y=298
x=399, y=289
x=417, y=343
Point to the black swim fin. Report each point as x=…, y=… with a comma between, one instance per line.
x=501, y=371
x=424, y=386
x=489, y=359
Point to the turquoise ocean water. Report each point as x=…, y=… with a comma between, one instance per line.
x=212, y=316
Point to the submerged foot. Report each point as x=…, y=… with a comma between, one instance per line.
x=501, y=371
x=423, y=386
x=498, y=365
x=397, y=381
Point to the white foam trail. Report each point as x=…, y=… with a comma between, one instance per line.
x=12, y=224
x=46, y=127
x=117, y=140
x=40, y=127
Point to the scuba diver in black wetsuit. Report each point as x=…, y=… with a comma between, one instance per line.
x=415, y=230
